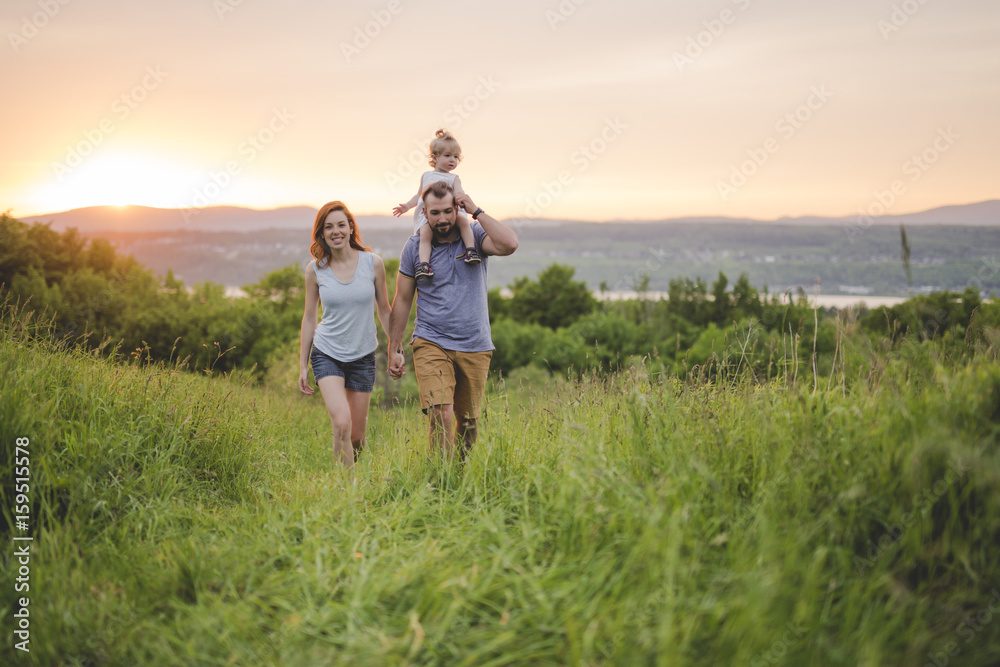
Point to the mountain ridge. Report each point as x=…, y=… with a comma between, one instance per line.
x=97, y=219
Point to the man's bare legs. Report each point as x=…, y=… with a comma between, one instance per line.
x=444, y=430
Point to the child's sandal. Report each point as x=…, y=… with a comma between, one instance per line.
x=424, y=270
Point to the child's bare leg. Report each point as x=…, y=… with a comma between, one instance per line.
x=424, y=252
x=465, y=229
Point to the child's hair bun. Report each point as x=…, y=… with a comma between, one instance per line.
x=443, y=140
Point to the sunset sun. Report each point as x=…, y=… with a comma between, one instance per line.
x=118, y=180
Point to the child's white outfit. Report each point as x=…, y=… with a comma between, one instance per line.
x=427, y=179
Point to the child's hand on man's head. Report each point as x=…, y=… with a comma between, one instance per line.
x=465, y=201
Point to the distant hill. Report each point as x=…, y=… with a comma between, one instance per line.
x=980, y=214
x=102, y=219
x=985, y=213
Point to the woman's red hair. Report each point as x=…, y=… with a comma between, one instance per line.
x=319, y=248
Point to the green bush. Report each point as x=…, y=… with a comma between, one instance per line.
x=87, y=289
x=564, y=351
x=609, y=338
x=553, y=300
x=516, y=344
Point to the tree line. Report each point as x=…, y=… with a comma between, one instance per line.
x=110, y=301
x=551, y=321
x=556, y=323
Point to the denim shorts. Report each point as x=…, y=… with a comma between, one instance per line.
x=359, y=375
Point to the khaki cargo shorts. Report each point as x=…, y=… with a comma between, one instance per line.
x=446, y=377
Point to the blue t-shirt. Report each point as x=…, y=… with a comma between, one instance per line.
x=451, y=306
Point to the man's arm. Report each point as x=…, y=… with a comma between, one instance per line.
x=500, y=239
x=402, y=304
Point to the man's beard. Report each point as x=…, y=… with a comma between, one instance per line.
x=439, y=235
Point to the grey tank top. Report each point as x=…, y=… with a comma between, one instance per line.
x=347, y=330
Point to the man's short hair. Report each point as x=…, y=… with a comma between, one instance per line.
x=439, y=189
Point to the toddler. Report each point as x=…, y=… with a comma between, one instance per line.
x=444, y=157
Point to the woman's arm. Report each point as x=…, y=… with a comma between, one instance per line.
x=381, y=295
x=308, y=330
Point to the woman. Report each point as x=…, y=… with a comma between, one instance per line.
x=350, y=281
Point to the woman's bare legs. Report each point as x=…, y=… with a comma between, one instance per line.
x=339, y=410
x=358, y=402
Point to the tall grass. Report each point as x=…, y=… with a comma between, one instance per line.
x=632, y=519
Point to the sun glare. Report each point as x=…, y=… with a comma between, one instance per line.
x=119, y=180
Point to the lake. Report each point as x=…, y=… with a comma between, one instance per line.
x=823, y=300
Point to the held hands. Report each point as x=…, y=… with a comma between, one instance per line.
x=304, y=382
x=397, y=365
x=400, y=210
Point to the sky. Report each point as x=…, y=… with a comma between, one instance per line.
x=567, y=109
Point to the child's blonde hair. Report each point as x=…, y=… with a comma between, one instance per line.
x=442, y=141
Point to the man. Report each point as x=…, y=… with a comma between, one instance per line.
x=451, y=343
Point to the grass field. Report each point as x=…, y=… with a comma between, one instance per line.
x=181, y=519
